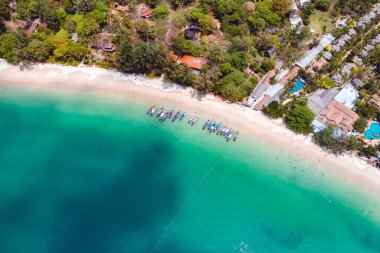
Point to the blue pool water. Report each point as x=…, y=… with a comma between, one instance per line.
x=299, y=86
x=373, y=132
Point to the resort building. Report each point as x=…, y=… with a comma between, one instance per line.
x=145, y=12
x=194, y=62
x=347, y=96
x=337, y=112
x=32, y=27
x=261, y=88
x=339, y=115
x=357, y=83
x=312, y=54
x=318, y=100
x=375, y=100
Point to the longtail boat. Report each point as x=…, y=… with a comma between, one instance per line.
x=182, y=116
x=170, y=114
x=206, y=124
x=151, y=110
x=176, y=116
x=160, y=111
x=236, y=135
x=195, y=120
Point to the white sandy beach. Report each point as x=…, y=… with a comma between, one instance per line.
x=149, y=91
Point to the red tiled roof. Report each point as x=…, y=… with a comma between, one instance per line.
x=145, y=12
x=375, y=100
x=32, y=27
x=338, y=114
x=268, y=76
x=121, y=8
x=262, y=102
x=290, y=75
x=174, y=57
x=193, y=61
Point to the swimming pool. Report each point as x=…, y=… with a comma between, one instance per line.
x=373, y=132
x=299, y=86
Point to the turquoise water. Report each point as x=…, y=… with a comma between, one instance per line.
x=373, y=132
x=94, y=175
x=299, y=86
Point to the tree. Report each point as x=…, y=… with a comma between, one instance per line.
x=161, y=12
x=325, y=138
x=265, y=10
x=234, y=86
x=322, y=5
x=3, y=29
x=208, y=24
x=5, y=10
x=145, y=30
x=237, y=59
x=69, y=6
x=274, y=110
x=257, y=24
x=87, y=27
x=9, y=44
x=39, y=50
x=282, y=7
x=299, y=117
x=360, y=125
x=326, y=82
x=267, y=64
x=83, y=6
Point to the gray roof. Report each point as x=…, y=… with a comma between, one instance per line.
x=259, y=91
x=358, y=60
x=327, y=55
x=335, y=48
x=338, y=78
x=318, y=100
x=271, y=52
x=347, y=68
x=357, y=83
x=369, y=47
x=352, y=32
x=364, y=53
x=309, y=56
x=327, y=40
x=346, y=37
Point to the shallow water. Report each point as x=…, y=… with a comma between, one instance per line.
x=93, y=175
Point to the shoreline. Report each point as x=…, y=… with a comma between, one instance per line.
x=148, y=91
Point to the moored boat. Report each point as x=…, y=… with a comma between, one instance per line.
x=151, y=110
x=191, y=119
x=163, y=115
x=206, y=124
x=236, y=135
x=176, y=116
x=170, y=114
x=182, y=116
x=160, y=111
x=228, y=135
x=195, y=120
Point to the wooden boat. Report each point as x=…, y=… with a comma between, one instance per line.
x=151, y=110
x=176, y=116
x=236, y=135
x=182, y=116
x=170, y=114
x=160, y=111
x=206, y=124
x=195, y=120
x=191, y=119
